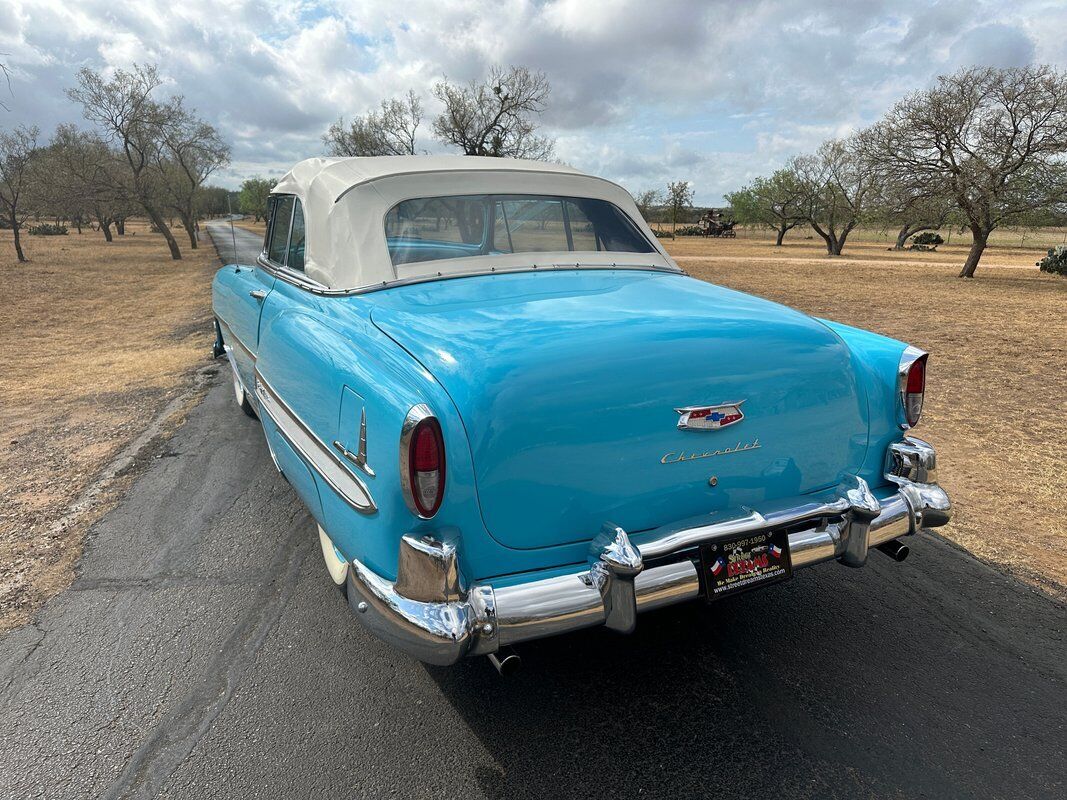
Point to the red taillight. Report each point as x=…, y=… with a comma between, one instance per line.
x=914, y=389
x=426, y=467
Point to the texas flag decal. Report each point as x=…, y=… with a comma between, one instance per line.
x=718, y=567
x=776, y=551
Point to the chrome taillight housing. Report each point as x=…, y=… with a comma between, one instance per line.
x=912, y=385
x=422, y=462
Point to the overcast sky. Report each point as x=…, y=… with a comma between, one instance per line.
x=643, y=92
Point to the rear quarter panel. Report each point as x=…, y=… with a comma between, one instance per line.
x=877, y=360
x=311, y=349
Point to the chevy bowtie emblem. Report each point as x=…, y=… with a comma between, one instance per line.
x=710, y=418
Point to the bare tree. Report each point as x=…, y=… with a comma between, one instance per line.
x=994, y=140
x=647, y=201
x=390, y=131
x=130, y=119
x=496, y=117
x=7, y=79
x=777, y=202
x=679, y=198
x=86, y=174
x=192, y=150
x=18, y=154
x=838, y=189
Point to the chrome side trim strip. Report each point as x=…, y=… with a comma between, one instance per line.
x=231, y=337
x=320, y=457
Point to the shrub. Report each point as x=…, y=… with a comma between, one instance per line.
x=663, y=234
x=690, y=230
x=1055, y=262
x=927, y=240
x=47, y=229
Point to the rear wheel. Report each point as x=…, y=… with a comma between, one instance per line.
x=335, y=563
x=240, y=393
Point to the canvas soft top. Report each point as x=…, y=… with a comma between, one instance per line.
x=345, y=201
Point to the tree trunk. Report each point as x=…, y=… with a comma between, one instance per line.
x=18, y=241
x=902, y=237
x=105, y=226
x=981, y=238
x=190, y=229
x=120, y=226
x=781, y=235
x=163, y=228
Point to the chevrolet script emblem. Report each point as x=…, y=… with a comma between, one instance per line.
x=710, y=418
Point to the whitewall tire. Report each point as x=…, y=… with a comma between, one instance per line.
x=239, y=392
x=335, y=564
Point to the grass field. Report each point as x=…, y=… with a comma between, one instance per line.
x=96, y=338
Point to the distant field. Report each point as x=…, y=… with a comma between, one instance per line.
x=996, y=404
x=95, y=339
x=1002, y=237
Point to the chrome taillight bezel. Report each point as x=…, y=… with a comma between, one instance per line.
x=910, y=357
x=420, y=416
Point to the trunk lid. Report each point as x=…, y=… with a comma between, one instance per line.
x=567, y=384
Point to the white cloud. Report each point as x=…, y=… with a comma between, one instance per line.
x=708, y=90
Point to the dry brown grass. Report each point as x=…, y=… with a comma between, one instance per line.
x=996, y=407
x=95, y=339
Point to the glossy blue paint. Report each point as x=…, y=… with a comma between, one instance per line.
x=556, y=394
x=567, y=384
x=237, y=309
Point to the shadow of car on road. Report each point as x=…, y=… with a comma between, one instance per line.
x=839, y=683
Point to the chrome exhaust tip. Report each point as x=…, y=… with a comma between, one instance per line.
x=895, y=549
x=506, y=661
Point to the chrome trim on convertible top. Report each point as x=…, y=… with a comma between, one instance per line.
x=301, y=281
x=318, y=456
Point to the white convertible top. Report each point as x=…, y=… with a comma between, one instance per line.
x=346, y=200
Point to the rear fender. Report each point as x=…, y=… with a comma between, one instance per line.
x=877, y=359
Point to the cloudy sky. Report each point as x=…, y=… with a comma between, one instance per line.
x=643, y=92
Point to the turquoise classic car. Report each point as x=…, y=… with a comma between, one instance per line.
x=512, y=414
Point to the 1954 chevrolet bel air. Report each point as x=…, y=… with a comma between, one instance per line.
x=512, y=414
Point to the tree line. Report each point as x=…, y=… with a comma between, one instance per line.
x=142, y=155
x=980, y=149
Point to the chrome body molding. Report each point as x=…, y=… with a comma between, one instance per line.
x=320, y=458
x=302, y=281
x=230, y=337
x=359, y=458
x=415, y=415
x=431, y=614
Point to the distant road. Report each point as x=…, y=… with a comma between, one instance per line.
x=202, y=652
x=249, y=244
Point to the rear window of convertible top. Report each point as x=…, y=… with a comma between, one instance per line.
x=461, y=226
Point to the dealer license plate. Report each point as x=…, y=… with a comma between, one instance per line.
x=748, y=562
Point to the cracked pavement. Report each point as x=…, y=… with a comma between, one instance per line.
x=202, y=651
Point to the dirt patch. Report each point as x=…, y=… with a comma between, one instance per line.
x=95, y=340
x=996, y=406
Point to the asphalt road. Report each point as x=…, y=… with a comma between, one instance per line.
x=202, y=652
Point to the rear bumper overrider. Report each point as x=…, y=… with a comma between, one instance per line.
x=431, y=614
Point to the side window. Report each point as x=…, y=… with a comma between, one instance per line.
x=279, y=231
x=296, y=240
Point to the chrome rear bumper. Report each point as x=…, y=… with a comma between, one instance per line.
x=429, y=612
